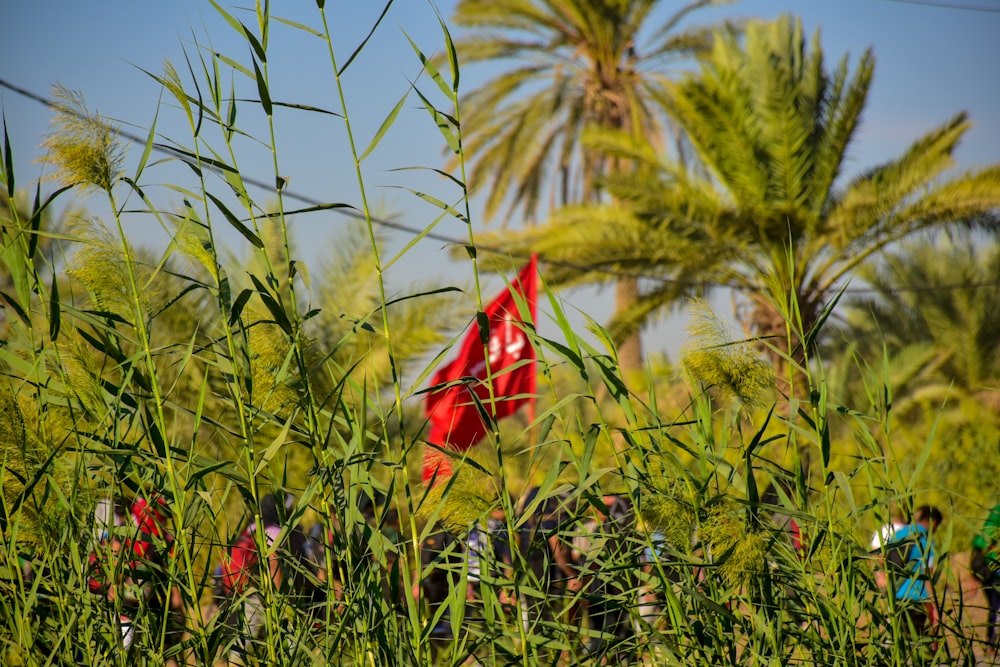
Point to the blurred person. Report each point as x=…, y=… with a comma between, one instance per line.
x=128, y=566
x=485, y=547
x=777, y=498
x=441, y=557
x=152, y=546
x=602, y=552
x=107, y=575
x=985, y=565
x=882, y=537
x=550, y=564
x=290, y=567
x=911, y=561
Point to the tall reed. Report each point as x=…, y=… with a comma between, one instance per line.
x=184, y=374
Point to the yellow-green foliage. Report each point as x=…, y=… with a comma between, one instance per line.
x=962, y=472
x=670, y=506
x=84, y=148
x=45, y=509
x=12, y=432
x=101, y=266
x=82, y=375
x=667, y=506
x=277, y=384
x=713, y=359
x=740, y=550
x=193, y=240
x=463, y=499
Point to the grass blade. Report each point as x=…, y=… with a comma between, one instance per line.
x=234, y=221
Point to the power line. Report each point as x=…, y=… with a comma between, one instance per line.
x=413, y=231
x=949, y=5
x=312, y=201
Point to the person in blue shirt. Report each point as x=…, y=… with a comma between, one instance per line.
x=913, y=583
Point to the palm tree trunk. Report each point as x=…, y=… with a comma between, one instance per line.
x=629, y=349
x=790, y=380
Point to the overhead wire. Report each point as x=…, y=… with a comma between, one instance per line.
x=948, y=5
x=312, y=201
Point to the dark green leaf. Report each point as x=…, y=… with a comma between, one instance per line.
x=432, y=71
x=231, y=115
x=255, y=44
x=265, y=96
x=277, y=312
x=483, y=324
x=238, y=305
x=15, y=305
x=308, y=209
x=36, y=216
x=306, y=107
x=42, y=471
x=439, y=172
x=445, y=123
x=430, y=199
x=155, y=436
x=54, y=311
x=200, y=102
x=147, y=148
x=417, y=295
x=35, y=223
x=384, y=127
x=8, y=160
x=184, y=292
x=193, y=479
x=196, y=160
x=119, y=394
x=371, y=32
x=234, y=221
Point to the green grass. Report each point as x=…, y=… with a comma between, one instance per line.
x=209, y=381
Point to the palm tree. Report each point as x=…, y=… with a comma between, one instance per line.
x=922, y=347
x=578, y=63
x=347, y=327
x=935, y=296
x=346, y=355
x=768, y=213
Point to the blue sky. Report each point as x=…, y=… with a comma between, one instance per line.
x=931, y=62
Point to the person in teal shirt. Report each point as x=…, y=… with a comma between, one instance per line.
x=913, y=587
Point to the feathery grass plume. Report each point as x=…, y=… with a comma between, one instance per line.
x=46, y=511
x=192, y=237
x=668, y=508
x=12, y=431
x=277, y=384
x=84, y=147
x=463, y=499
x=714, y=359
x=740, y=551
x=81, y=374
x=100, y=265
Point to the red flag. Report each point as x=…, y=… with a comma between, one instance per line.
x=456, y=422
